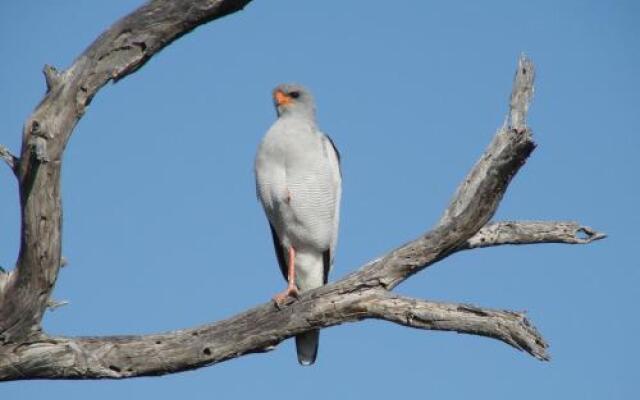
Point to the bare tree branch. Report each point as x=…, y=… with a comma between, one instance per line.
x=510, y=327
x=9, y=159
x=521, y=95
x=27, y=353
x=475, y=200
x=51, y=76
x=513, y=137
x=121, y=50
x=532, y=232
x=257, y=330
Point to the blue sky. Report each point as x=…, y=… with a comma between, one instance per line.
x=162, y=228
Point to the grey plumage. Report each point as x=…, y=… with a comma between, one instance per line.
x=298, y=182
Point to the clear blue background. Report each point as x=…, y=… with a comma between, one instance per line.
x=162, y=229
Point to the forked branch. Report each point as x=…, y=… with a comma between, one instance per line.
x=28, y=353
x=122, y=49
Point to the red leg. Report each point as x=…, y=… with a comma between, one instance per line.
x=292, y=289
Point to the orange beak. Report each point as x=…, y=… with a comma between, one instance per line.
x=281, y=98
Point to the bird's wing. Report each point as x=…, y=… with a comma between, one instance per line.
x=337, y=153
x=336, y=172
x=280, y=252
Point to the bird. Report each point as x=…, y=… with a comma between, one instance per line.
x=299, y=183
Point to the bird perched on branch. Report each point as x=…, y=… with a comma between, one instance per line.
x=299, y=184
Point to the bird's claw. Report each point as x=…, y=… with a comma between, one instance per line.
x=282, y=297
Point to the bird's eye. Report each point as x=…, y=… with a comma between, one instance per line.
x=294, y=95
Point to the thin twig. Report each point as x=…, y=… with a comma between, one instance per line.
x=9, y=159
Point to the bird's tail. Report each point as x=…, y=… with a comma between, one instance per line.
x=307, y=347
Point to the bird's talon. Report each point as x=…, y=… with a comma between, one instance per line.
x=282, y=297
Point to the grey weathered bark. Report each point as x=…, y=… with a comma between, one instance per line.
x=10, y=159
x=119, y=51
x=27, y=353
x=531, y=232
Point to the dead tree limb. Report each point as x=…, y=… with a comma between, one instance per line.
x=121, y=50
x=8, y=158
x=28, y=353
x=532, y=232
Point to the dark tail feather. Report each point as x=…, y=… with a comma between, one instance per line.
x=307, y=347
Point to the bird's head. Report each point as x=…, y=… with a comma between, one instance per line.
x=290, y=98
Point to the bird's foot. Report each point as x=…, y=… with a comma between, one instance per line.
x=290, y=291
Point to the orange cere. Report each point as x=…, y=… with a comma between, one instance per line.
x=281, y=98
